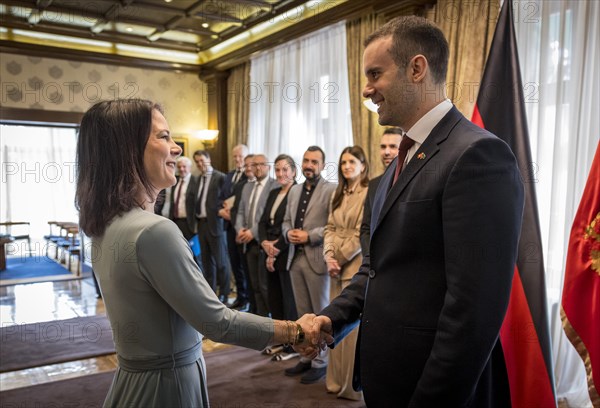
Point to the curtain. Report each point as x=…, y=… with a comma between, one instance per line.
x=559, y=51
x=365, y=127
x=298, y=94
x=238, y=107
x=38, y=176
x=469, y=28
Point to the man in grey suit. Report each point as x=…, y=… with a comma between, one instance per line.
x=303, y=226
x=203, y=202
x=252, y=204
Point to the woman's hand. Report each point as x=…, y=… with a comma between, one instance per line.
x=269, y=248
x=333, y=267
x=270, y=263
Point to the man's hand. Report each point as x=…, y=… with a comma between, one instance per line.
x=244, y=236
x=225, y=213
x=318, y=333
x=297, y=236
x=322, y=331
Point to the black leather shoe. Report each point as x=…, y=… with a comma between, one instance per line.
x=297, y=369
x=238, y=302
x=244, y=308
x=223, y=299
x=313, y=375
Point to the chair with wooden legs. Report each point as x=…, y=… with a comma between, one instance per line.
x=18, y=231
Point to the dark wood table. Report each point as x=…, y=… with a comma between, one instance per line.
x=3, y=241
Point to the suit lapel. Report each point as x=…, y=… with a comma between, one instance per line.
x=294, y=203
x=264, y=194
x=314, y=197
x=384, y=199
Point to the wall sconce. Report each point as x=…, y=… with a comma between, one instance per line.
x=208, y=137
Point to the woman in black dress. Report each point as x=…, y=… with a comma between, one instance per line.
x=280, y=296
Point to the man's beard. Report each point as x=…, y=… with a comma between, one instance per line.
x=310, y=177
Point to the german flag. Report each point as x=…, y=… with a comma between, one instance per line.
x=525, y=333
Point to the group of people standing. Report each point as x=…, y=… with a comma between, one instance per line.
x=438, y=237
x=291, y=247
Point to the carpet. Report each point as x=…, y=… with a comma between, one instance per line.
x=36, y=344
x=239, y=377
x=87, y=391
x=26, y=269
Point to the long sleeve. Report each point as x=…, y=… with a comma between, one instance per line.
x=240, y=217
x=166, y=262
x=342, y=233
x=481, y=228
x=287, y=224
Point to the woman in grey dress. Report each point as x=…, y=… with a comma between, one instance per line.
x=158, y=303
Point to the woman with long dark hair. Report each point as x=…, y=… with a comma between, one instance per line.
x=343, y=257
x=156, y=298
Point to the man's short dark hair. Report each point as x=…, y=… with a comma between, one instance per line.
x=202, y=153
x=412, y=35
x=393, y=131
x=316, y=149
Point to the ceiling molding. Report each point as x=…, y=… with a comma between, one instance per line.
x=172, y=26
x=109, y=36
x=43, y=51
x=344, y=11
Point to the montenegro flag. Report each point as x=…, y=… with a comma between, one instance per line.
x=580, y=308
x=525, y=333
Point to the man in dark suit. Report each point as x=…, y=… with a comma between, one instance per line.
x=251, y=206
x=175, y=198
x=432, y=294
x=234, y=182
x=388, y=145
x=203, y=202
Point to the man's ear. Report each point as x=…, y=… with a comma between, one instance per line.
x=418, y=68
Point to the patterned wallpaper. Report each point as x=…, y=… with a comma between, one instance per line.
x=63, y=85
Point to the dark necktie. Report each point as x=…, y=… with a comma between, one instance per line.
x=202, y=190
x=405, y=145
x=236, y=177
x=253, y=204
x=177, y=196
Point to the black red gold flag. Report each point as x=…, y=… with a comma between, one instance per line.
x=525, y=334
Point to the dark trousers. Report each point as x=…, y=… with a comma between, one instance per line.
x=213, y=252
x=281, y=295
x=184, y=227
x=238, y=266
x=257, y=277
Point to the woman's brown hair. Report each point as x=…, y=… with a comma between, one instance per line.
x=110, y=161
x=359, y=153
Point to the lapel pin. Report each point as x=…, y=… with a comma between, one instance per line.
x=421, y=156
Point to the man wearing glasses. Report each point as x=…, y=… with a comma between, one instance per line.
x=254, y=198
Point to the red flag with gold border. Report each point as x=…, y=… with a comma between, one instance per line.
x=580, y=308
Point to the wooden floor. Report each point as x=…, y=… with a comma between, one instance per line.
x=27, y=302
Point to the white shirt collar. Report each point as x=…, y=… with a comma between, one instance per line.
x=420, y=130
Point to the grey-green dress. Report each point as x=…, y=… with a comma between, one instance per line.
x=159, y=306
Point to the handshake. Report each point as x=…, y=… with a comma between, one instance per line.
x=318, y=333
